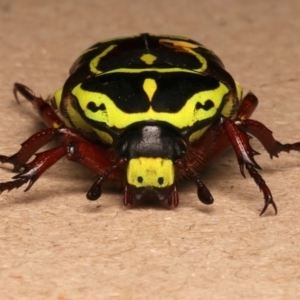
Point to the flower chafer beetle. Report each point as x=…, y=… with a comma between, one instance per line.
x=143, y=112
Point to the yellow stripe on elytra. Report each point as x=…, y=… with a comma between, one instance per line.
x=56, y=104
x=179, y=44
x=56, y=99
x=159, y=70
x=150, y=172
x=95, y=61
x=187, y=46
x=112, y=116
x=77, y=120
x=150, y=87
x=201, y=59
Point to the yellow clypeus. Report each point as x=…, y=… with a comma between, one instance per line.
x=150, y=172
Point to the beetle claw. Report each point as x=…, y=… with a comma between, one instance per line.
x=12, y=160
x=15, y=184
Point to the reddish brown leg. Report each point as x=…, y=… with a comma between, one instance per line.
x=33, y=170
x=46, y=112
x=216, y=137
x=220, y=137
x=75, y=146
x=260, y=131
x=38, y=140
x=264, y=135
x=203, y=192
x=247, y=106
x=29, y=147
x=245, y=155
x=96, y=190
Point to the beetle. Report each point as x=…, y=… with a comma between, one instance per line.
x=144, y=112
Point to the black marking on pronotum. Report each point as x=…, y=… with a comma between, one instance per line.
x=94, y=108
x=207, y=106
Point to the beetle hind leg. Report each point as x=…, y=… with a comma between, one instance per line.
x=259, y=130
x=46, y=112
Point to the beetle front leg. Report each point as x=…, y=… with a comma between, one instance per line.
x=74, y=145
x=245, y=155
x=29, y=147
x=33, y=170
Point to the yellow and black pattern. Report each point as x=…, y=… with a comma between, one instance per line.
x=117, y=83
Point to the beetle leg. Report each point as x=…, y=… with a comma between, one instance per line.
x=245, y=155
x=46, y=112
x=29, y=147
x=203, y=192
x=264, y=135
x=96, y=189
x=75, y=146
x=33, y=170
x=259, y=130
x=37, y=141
x=247, y=106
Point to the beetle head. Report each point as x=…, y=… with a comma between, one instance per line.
x=151, y=151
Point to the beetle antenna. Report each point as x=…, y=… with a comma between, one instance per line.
x=96, y=189
x=203, y=192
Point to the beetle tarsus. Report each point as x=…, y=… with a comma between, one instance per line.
x=263, y=187
x=14, y=160
x=17, y=165
x=285, y=148
x=15, y=184
x=265, y=136
x=25, y=91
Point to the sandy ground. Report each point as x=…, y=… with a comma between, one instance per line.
x=57, y=245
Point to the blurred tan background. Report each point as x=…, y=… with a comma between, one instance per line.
x=54, y=244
